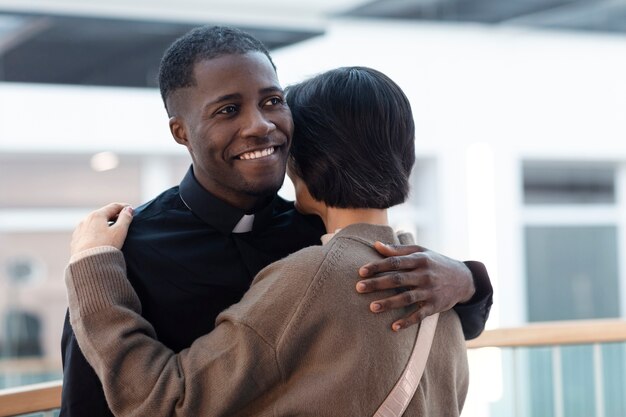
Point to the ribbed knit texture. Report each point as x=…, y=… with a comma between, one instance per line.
x=301, y=342
x=112, y=287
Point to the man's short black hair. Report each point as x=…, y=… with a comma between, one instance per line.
x=199, y=44
x=353, y=143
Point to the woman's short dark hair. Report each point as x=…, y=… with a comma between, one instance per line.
x=353, y=143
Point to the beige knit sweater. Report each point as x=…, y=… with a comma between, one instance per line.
x=301, y=342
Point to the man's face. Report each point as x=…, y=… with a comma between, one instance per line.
x=237, y=127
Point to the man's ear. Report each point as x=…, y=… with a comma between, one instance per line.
x=179, y=132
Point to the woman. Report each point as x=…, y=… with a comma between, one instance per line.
x=291, y=346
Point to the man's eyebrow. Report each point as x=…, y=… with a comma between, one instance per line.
x=219, y=100
x=225, y=97
x=272, y=89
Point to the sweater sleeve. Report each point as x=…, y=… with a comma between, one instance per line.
x=221, y=372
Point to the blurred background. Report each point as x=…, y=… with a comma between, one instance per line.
x=520, y=109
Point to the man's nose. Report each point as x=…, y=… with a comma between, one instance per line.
x=257, y=124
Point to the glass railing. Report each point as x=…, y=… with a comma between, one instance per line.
x=15, y=372
x=30, y=387
x=558, y=369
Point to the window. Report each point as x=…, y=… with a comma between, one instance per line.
x=571, y=238
x=572, y=272
x=568, y=183
x=22, y=334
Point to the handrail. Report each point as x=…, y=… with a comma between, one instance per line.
x=553, y=333
x=30, y=398
x=47, y=396
x=35, y=364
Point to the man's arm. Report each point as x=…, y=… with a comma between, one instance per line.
x=475, y=312
x=432, y=282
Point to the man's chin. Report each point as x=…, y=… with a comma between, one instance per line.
x=264, y=190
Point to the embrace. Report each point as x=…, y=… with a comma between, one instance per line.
x=219, y=298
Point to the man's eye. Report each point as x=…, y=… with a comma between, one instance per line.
x=227, y=109
x=274, y=101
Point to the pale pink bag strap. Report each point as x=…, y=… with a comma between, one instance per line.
x=400, y=396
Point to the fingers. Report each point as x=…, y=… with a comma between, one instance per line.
x=396, y=250
x=124, y=218
x=106, y=226
x=395, y=263
x=395, y=280
x=110, y=211
x=401, y=300
x=415, y=317
x=397, y=257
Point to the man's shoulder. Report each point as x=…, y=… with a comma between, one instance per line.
x=281, y=205
x=285, y=214
x=167, y=200
x=151, y=220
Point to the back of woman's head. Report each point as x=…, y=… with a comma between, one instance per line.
x=353, y=143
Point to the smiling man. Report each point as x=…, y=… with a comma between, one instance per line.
x=194, y=250
x=236, y=126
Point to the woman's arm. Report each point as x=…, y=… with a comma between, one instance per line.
x=218, y=374
x=142, y=377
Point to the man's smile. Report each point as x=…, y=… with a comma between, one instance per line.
x=257, y=153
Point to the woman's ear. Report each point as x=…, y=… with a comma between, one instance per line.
x=179, y=132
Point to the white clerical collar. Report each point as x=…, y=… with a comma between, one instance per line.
x=245, y=224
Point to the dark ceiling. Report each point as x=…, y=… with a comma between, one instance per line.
x=91, y=51
x=96, y=51
x=596, y=15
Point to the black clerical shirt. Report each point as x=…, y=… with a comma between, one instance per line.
x=187, y=265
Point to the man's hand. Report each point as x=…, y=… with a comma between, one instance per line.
x=107, y=226
x=433, y=282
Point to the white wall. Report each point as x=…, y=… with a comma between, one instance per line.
x=54, y=118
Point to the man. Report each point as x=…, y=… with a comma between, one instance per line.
x=193, y=250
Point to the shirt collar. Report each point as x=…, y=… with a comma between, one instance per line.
x=218, y=214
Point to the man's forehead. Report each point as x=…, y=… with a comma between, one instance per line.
x=231, y=74
x=253, y=61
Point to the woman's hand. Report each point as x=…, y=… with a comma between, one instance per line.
x=432, y=282
x=104, y=227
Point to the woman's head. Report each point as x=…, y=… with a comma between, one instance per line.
x=353, y=144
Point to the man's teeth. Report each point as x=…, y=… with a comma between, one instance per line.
x=257, y=154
